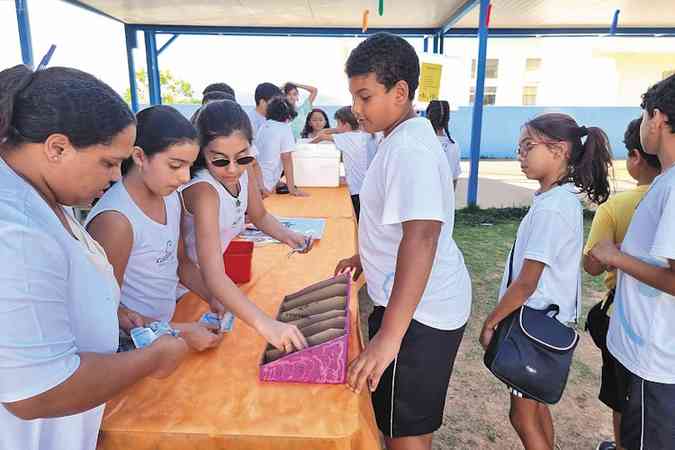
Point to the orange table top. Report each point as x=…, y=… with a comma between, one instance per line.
x=215, y=400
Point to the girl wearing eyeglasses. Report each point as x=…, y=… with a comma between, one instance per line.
x=137, y=222
x=221, y=191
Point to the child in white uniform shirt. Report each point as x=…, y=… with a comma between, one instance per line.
x=641, y=333
x=216, y=199
x=275, y=144
x=566, y=159
x=438, y=113
x=414, y=271
x=353, y=144
x=63, y=136
x=137, y=222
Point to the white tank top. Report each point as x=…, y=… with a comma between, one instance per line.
x=230, y=215
x=151, y=275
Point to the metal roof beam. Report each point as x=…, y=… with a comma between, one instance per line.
x=459, y=13
x=564, y=32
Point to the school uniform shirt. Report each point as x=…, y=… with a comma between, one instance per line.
x=641, y=333
x=552, y=233
x=230, y=216
x=256, y=119
x=151, y=275
x=59, y=298
x=407, y=181
x=452, y=154
x=372, y=142
x=352, y=145
x=611, y=221
x=273, y=139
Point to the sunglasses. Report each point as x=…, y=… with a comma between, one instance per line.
x=244, y=160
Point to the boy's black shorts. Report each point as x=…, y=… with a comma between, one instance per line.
x=410, y=398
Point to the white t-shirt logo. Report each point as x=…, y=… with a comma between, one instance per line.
x=166, y=254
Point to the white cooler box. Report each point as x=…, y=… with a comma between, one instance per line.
x=316, y=165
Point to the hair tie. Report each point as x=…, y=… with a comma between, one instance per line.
x=583, y=131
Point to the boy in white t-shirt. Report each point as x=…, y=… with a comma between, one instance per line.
x=275, y=143
x=641, y=333
x=414, y=271
x=352, y=143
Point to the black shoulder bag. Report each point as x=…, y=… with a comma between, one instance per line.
x=531, y=351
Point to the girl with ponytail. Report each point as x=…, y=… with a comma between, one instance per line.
x=566, y=159
x=438, y=113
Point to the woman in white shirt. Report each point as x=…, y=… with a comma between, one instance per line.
x=63, y=137
x=221, y=192
x=438, y=113
x=138, y=219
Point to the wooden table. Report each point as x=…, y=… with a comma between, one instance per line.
x=215, y=400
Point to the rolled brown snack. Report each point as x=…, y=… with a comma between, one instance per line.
x=310, y=330
x=332, y=314
x=334, y=290
x=319, y=338
x=313, y=308
x=315, y=287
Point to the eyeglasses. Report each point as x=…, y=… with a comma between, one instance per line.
x=524, y=148
x=222, y=162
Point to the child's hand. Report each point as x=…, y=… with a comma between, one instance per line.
x=486, y=335
x=129, y=319
x=299, y=242
x=217, y=307
x=282, y=335
x=369, y=366
x=353, y=264
x=297, y=192
x=606, y=252
x=198, y=337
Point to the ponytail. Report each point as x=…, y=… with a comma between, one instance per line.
x=12, y=82
x=590, y=159
x=438, y=113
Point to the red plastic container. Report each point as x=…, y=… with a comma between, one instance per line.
x=237, y=259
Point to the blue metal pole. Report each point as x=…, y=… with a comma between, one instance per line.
x=441, y=41
x=426, y=44
x=24, y=32
x=477, y=121
x=435, y=51
x=167, y=43
x=132, y=43
x=153, y=68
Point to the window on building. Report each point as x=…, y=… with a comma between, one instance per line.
x=489, y=96
x=668, y=73
x=532, y=64
x=491, y=68
x=529, y=95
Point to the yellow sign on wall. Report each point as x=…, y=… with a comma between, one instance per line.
x=430, y=82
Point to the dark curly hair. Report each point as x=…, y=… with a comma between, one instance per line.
x=221, y=118
x=158, y=128
x=219, y=87
x=631, y=138
x=217, y=95
x=661, y=96
x=35, y=105
x=390, y=57
x=590, y=160
x=281, y=110
x=308, y=126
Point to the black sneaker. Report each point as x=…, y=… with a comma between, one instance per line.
x=606, y=445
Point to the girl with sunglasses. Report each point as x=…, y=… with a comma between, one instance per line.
x=221, y=191
x=137, y=222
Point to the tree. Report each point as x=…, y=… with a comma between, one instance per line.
x=173, y=90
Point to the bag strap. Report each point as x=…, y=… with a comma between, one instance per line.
x=513, y=250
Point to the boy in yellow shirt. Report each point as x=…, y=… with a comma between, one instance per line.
x=611, y=222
